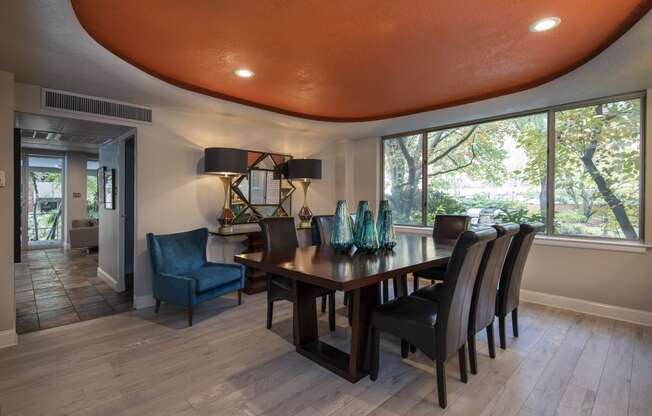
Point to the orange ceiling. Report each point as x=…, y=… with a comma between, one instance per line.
x=344, y=60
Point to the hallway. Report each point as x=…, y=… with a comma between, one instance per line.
x=56, y=287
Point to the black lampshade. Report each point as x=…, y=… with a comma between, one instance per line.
x=304, y=169
x=225, y=160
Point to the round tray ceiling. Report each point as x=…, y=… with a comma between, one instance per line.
x=343, y=60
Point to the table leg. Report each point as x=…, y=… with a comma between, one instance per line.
x=365, y=300
x=351, y=366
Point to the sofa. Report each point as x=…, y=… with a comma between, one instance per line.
x=84, y=233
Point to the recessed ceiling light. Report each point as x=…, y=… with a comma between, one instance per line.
x=244, y=73
x=544, y=24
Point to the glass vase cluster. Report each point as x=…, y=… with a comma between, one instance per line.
x=342, y=234
x=386, y=234
x=382, y=207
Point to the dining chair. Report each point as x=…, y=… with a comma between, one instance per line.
x=509, y=287
x=439, y=329
x=446, y=230
x=280, y=234
x=483, y=301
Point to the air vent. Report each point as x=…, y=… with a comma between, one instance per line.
x=62, y=100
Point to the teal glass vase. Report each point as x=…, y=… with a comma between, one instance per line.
x=342, y=234
x=382, y=207
x=387, y=236
x=363, y=206
x=369, y=238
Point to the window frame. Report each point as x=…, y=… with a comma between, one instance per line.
x=551, y=130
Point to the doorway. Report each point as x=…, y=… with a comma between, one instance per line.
x=59, y=220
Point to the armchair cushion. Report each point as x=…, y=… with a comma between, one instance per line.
x=214, y=275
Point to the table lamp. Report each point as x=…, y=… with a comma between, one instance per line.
x=304, y=170
x=226, y=164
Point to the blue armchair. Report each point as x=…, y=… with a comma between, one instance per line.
x=183, y=276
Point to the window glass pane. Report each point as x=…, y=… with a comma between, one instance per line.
x=92, y=190
x=493, y=172
x=597, y=170
x=45, y=198
x=402, y=177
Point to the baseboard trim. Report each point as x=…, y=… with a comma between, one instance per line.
x=108, y=279
x=619, y=313
x=146, y=301
x=8, y=338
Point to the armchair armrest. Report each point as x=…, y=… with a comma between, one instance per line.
x=235, y=266
x=175, y=289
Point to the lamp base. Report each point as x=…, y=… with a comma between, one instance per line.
x=305, y=215
x=226, y=229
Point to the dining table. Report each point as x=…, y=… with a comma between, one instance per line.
x=312, y=268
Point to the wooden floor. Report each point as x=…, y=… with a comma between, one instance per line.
x=137, y=363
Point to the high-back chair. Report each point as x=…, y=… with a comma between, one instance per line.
x=183, y=276
x=509, y=287
x=439, y=329
x=321, y=229
x=280, y=234
x=446, y=230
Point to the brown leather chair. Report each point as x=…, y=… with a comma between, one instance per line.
x=446, y=230
x=484, y=292
x=509, y=287
x=280, y=234
x=439, y=329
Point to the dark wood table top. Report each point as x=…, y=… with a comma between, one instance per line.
x=320, y=266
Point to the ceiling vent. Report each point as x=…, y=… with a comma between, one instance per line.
x=78, y=103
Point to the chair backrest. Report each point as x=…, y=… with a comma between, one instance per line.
x=449, y=227
x=483, y=303
x=178, y=253
x=509, y=287
x=457, y=291
x=279, y=233
x=322, y=226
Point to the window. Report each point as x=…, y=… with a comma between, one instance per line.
x=499, y=170
x=92, y=189
x=402, y=173
x=598, y=170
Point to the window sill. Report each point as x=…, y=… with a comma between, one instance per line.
x=569, y=242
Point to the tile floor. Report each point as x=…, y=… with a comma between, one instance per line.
x=57, y=287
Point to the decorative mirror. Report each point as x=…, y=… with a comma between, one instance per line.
x=263, y=191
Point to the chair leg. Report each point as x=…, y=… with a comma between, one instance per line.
x=323, y=303
x=346, y=298
x=189, y=315
x=158, y=305
x=515, y=322
x=385, y=291
x=395, y=285
x=501, y=332
x=413, y=348
x=374, y=338
x=404, y=285
x=462, y=355
x=441, y=383
x=331, y=311
x=270, y=312
x=416, y=282
x=239, y=297
x=473, y=358
x=490, y=340
x=404, y=349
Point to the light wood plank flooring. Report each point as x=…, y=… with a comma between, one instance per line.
x=139, y=363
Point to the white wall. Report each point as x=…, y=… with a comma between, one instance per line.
x=7, y=308
x=109, y=219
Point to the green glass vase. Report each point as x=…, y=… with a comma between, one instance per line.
x=382, y=207
x=363, y=206
x=369, y=238
x=342, y=234
x=387, y=236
